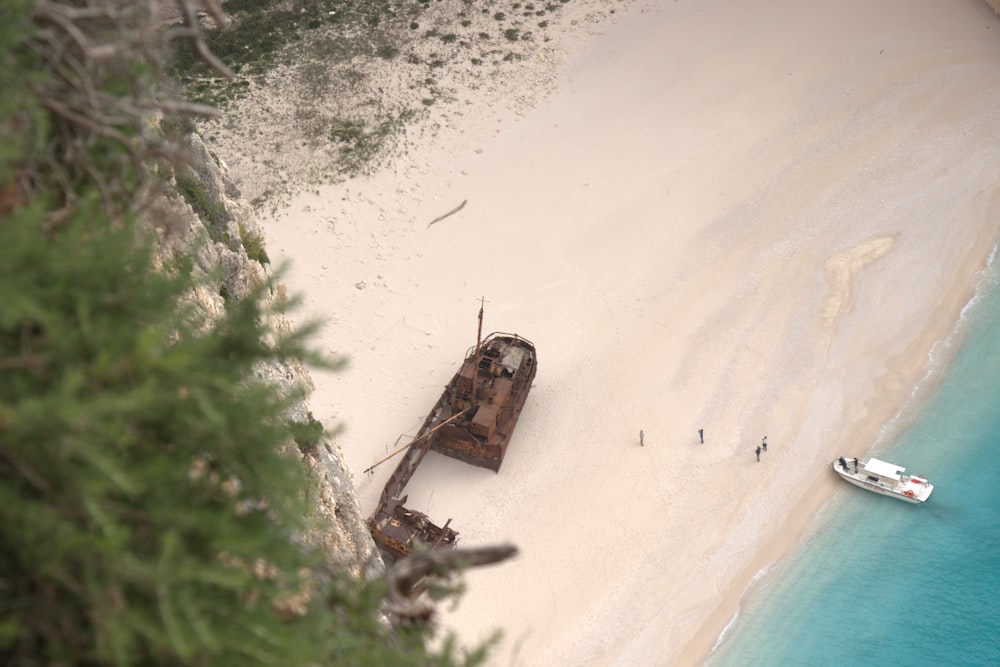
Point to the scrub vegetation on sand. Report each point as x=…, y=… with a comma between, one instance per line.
x=353, y=75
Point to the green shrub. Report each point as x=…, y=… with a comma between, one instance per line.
x=209, y=209
x=147, y=517
x=307, y=434
x=253, y=244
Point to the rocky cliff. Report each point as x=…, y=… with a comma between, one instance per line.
x=204, y=212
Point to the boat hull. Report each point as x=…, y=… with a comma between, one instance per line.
x=500, y=372
x=398, y=531
x=908, y=488
x=472, y=421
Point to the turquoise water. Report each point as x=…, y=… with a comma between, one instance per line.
x=884, y=582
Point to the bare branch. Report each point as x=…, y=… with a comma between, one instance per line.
x=189, y=109
x=197, y=40
x=404, y=578
x=31, y=362
x=91, y=48
x=27, y=472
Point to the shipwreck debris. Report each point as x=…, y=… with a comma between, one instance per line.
x=472, y=421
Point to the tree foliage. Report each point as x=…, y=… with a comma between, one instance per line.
x=151, y=496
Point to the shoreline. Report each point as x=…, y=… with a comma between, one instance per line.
x=770, y=223
x=804, y=521
x=893, y=410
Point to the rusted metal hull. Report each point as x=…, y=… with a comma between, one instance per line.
x=502, y=372
x=398, y=531
x=472, y=421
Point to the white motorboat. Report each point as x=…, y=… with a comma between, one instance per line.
x=885, y=478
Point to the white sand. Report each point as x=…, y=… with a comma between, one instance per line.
x=751, y=217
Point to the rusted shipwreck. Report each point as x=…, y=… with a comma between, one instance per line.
x=472, y=421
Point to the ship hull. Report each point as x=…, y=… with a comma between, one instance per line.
x=472, y=421
x=884, y=479
x=502, y=373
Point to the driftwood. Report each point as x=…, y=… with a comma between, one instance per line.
x=451, y=212
x=404, y=579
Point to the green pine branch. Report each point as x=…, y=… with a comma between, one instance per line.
x=148, y=514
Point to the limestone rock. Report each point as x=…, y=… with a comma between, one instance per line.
x=206, y=214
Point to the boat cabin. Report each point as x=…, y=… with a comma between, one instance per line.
x=878, y=470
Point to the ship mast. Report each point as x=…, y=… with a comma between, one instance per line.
x=475, y=369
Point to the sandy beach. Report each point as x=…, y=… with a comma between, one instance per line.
x=750, y=218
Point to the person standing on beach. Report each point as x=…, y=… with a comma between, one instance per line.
x=701, y=436
x=763, y=444
x=642, y=436
x=758, y=453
